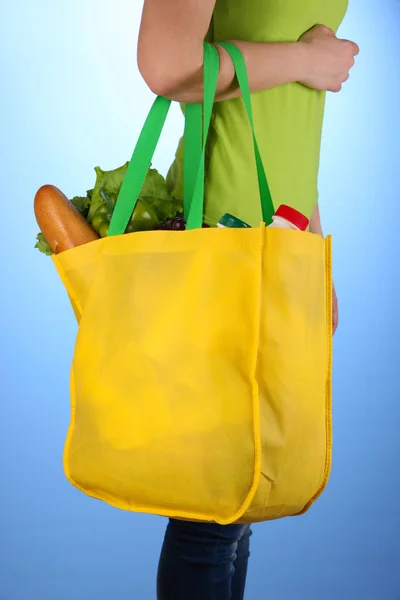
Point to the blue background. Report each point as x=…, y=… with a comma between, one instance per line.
x=72, y=98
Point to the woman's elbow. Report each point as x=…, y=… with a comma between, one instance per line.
x=160, y=83
x=170, y=75
x=156, y=70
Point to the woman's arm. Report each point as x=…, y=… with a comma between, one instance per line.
x=170, y=55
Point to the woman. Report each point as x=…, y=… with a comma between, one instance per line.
x=292, y=60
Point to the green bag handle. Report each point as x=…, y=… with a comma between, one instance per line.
x=148, y=140
x=139, y=166
x=151, y=132
x=193, y=145
x=193, y=120
x=193, y=163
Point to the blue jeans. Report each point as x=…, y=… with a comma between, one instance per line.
x=203, y=561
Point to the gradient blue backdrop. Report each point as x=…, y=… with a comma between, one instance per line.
x=72, y=98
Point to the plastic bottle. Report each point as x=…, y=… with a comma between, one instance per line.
x=287, y=217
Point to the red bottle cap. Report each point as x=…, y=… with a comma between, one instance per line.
x=293, y=216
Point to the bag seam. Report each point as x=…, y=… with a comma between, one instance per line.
x=328, y=385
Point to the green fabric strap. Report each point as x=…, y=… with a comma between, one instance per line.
x=194, y=124
x=148, y=140
x=192, y=147
x=139, y=166
x=211, y=70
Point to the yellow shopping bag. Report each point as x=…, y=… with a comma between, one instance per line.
x=200, y=382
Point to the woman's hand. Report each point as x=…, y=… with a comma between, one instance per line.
x=329, y=59
x=335, y=311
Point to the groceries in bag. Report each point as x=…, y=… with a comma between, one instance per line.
x=285, y=217
x=143, y=217
x=85, y=218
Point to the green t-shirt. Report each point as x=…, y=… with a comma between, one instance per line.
x=288, y=118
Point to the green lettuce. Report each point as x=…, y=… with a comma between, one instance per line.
x=111, y=181
x=164, y=209
x=154, y=186
x=82, y=203
x=42, y=245
x=155, y=192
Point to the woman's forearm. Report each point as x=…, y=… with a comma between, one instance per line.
x=268, y=65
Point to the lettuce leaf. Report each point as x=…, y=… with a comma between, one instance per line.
x=111, y=181
x=164, y=209
x=42, y=245
x=82, y=204
x=155, y=192
x=154, y=186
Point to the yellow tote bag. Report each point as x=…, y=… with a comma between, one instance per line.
x=200, y=382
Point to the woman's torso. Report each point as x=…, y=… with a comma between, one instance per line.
x=288, y=118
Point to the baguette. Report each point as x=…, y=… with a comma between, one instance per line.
x=60, y=222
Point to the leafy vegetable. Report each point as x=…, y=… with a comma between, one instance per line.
x=154, y=186
x=111, y=181
x=164, y=209
x=42, y=245
x=155, y=192
x=144, y=217
x=82, y=204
